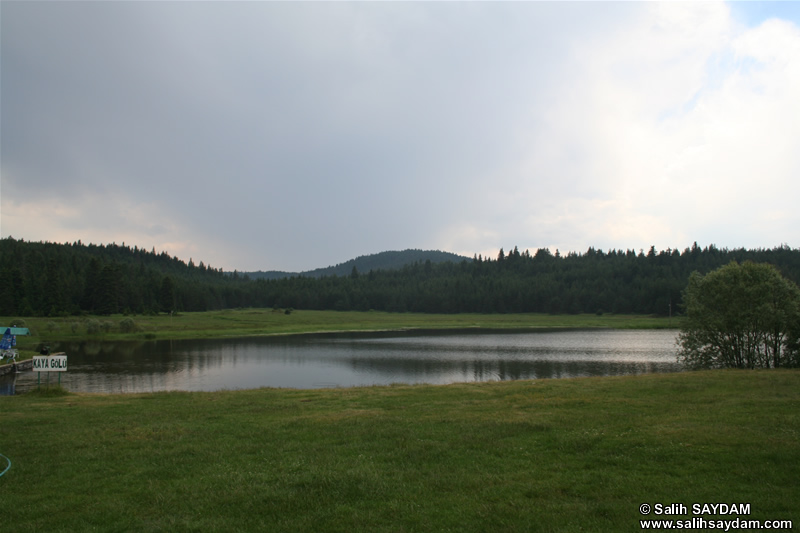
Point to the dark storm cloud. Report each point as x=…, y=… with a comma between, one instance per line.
x=366, y=121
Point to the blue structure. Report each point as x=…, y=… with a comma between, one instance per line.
x=17, y=331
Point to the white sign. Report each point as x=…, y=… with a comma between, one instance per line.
x=50, y=363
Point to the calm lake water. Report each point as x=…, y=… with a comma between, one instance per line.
x=322, y=361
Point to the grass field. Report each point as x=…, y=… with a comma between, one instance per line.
x=244, y=322
x=549, y=455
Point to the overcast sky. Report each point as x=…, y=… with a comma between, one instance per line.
x=291, y=136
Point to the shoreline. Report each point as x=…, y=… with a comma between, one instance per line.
x=267, y=322
x=19, y=365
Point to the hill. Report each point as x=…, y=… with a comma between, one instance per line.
x=391, y=260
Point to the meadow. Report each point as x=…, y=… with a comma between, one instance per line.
x=547, y=455
x=247, y=322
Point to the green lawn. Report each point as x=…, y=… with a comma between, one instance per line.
x=548, y=455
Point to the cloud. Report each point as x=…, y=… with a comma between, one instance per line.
x=296, y=135
x=644, y=142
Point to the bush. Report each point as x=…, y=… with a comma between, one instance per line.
x=741, y=316
x=92, y=326
x=127, y=325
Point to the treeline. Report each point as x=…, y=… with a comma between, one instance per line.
x=49, y=279
x=519, y=282
x=56, y=279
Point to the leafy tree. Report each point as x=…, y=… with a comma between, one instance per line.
x=740, y=315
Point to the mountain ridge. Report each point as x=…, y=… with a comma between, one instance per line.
x=387, y=260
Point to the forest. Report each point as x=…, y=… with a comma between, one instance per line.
x=51, y=279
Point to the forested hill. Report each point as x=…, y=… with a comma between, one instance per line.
x=54, y=279
x=381, y=261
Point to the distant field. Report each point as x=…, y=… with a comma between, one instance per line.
x=549, y=455
x=244, y=322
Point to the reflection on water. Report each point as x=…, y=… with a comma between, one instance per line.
x=365, y=359
x=8, y=384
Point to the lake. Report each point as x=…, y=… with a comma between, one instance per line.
x=346, y=360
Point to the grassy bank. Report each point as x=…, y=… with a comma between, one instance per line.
x=551, y=455
x=245, y=322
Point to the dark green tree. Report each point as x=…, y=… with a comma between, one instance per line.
x=166, y=295
x=89, y=301
x=53, y=289
x=108, y=291
x=12, y=291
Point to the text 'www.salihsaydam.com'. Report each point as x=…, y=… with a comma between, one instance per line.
x=705, y=516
